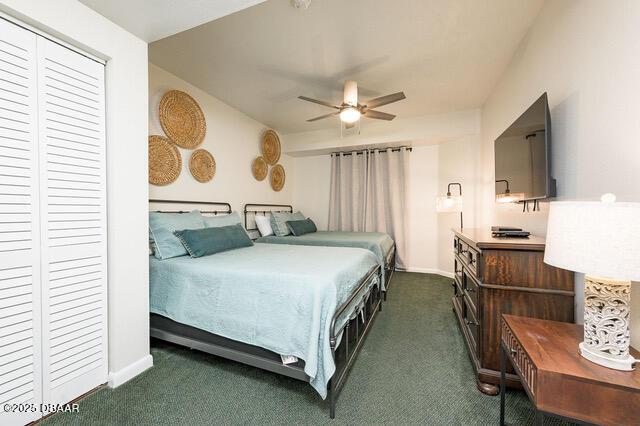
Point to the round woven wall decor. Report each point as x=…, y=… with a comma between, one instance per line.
x=164, y=161
x=259, y=168
x=270, y=147
x=277, y=177
x=182, y=119
x=202, y=165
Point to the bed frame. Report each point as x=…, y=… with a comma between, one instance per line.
x=344, y=352
x=252, y=210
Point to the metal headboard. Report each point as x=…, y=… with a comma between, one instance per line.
x=225, y=208
x=251, y=210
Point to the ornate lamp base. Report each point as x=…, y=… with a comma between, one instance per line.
x=606, y=323
x=602, y=358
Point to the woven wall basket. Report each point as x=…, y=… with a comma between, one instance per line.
x=182, y=119
x=202, y=165
x=277, y=177
x=165, y=162
x=259, y=168
x=270, y=147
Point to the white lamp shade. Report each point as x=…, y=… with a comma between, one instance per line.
x=449, y=204
x=596, y=238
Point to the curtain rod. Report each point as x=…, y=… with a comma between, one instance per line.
x=360, y=151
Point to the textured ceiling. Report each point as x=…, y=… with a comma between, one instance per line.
x=445, y=55
x=152, y=20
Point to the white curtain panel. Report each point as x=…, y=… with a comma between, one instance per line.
x=369, y=193
x=348, y=192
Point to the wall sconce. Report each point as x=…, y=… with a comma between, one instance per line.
x=450, y=203
x=507, y=196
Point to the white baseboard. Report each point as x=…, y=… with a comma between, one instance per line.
x=430, y=271
x=116, y=378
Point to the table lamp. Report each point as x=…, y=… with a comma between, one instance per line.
x=451, y=203
x=599, y=239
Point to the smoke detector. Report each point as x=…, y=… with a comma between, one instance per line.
x=301, y=4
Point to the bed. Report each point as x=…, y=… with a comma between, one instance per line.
x=257, y=303
x=380, y=244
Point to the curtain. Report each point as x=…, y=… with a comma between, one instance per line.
x=368, y=193
x=348, y=193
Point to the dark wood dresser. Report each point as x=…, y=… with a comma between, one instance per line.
x=495, y=276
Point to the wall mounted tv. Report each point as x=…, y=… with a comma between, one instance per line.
x=523, y=157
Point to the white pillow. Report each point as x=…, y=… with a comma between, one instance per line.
x=264, y=225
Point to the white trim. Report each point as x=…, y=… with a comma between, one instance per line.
x=429, y=271
x=28, y=27
x=117, y=378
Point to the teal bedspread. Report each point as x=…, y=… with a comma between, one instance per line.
x=278, y=297
x=378, y=243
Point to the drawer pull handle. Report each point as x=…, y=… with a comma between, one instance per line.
x=471, y=290
x=470, y=322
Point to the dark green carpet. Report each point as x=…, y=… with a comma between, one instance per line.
x=413, y=369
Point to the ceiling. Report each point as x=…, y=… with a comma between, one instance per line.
x=445, y=55
x=156, y=19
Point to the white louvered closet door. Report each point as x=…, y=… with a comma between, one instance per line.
x=20, y=330
x=73, y=222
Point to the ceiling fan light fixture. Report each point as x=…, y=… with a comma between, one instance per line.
x=349, y=115
x=301, y=4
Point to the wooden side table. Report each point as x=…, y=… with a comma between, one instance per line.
x=559, y=381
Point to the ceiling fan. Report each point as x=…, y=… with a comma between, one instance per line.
x=350, y=110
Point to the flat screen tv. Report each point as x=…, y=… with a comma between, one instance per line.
x=523, y=157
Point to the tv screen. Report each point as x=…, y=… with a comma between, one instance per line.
x=522, y=156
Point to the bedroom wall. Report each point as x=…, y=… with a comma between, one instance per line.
x=126, y=122
x=422, y=220
x=585, y=55
x=312, y=189
x=234, y=140
x=457, y=162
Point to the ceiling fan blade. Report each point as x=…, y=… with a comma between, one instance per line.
x=384, y=100
x=323, y=116
x=316, y=101
x=378, y=115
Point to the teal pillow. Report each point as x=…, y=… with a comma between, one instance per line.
x=301, y=227
x=161, y=227
x=279, y=222
x=224, y=220
x=203, y=242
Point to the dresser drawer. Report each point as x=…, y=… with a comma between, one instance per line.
x=471, y=288
x=458, y=291
x=470, y=323
x=520, y=359
x=457, y=269
x=468, y=255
